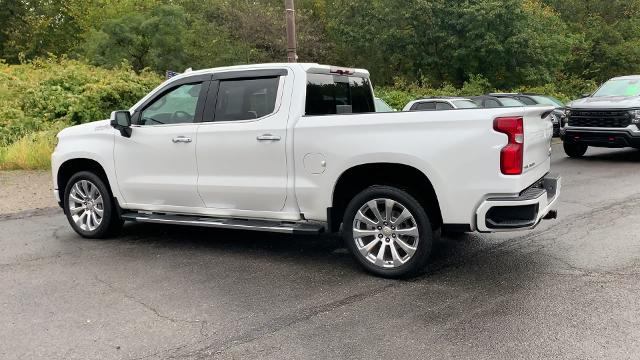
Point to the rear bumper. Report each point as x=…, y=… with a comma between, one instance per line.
x=610, y=138
x=522, y=211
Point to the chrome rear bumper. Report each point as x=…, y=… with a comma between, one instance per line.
x=522, y=211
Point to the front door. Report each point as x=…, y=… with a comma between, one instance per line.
x=241, y=150
x=156, y=167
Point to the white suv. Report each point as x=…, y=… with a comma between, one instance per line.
x=440, y=103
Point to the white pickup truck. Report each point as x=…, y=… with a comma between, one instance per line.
x=298, y=148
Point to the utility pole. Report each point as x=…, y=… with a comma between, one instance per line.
x=292, y=43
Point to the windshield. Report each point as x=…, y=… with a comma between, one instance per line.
x=547, y=100
x=382, y=106
x=464, y=104
x=627, y=87
x=511, y=102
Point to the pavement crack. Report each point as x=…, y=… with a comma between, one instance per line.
x=36, y=259
x=154, y=310
x=284, y=322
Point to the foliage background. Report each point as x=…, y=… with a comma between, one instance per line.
x=41, y=97
x=66, y=62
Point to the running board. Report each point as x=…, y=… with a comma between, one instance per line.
x=297, y=228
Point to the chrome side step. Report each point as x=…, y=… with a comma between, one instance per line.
x=297, y=228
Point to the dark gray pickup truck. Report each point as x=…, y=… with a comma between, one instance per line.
x=610, y=117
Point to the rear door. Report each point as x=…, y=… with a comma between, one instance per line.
x=241, y=149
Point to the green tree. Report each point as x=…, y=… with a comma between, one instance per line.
x=152, y=39
x=224, y=32
x=439, y=41
x=608, y=33
x=29, y=29
x=92, y=14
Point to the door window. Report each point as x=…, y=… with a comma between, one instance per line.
x=174, y=107
x=424, y=106
x=526, y=100
x=443, y=106
x=246, y=99
x=511, y=102
x=490, y=103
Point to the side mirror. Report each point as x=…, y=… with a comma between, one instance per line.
x=585, y=95
x=121, y=120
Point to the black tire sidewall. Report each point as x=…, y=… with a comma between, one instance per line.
x=574, y=150
x=425, y=244
x=108, y=219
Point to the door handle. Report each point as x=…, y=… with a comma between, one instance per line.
x=268, y=137
x=181, y=139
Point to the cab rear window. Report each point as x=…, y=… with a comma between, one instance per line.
x=338, y=94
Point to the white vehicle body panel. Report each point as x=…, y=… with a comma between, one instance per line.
x=152, y=170
x=92, y=141
x=458, y=152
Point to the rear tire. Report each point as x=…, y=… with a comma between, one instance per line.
x=388, y=232
x=574, y=150
x=90, y=208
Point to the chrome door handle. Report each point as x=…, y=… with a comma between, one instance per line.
x=268, y=137
x=181, y=139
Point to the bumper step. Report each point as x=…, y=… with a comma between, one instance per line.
x=520, y=212
x=297, y=228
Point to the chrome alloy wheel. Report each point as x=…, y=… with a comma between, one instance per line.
x=86, y=205
x=385, y=233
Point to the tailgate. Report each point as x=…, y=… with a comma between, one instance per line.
x=538, y=132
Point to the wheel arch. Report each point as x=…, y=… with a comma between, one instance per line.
x=405, y=177
x=72, y=166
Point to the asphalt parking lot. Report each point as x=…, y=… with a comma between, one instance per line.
x=569, y=289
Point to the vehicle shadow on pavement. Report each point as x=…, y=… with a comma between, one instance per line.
x=462, y=254
x=252, y=246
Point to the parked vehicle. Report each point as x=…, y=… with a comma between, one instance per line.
x=439, y=103
x=610, y=118
x=382, y=106
x=298, y=148
x=489, y=101
x=533, y=99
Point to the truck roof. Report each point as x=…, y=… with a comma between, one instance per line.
x=627, y=77
x=443, y=98
x=306, y=67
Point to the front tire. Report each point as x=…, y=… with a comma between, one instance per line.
x=574, y=150
x=388, y=232
x=89, y=206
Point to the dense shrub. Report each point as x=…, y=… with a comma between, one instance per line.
x=42, y=95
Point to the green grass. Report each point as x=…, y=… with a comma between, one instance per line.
x=3, y=155
x=32, y=152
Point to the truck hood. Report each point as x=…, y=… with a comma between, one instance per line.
x=87, y=128
x=606, y=102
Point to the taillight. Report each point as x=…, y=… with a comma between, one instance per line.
x=512, y=154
